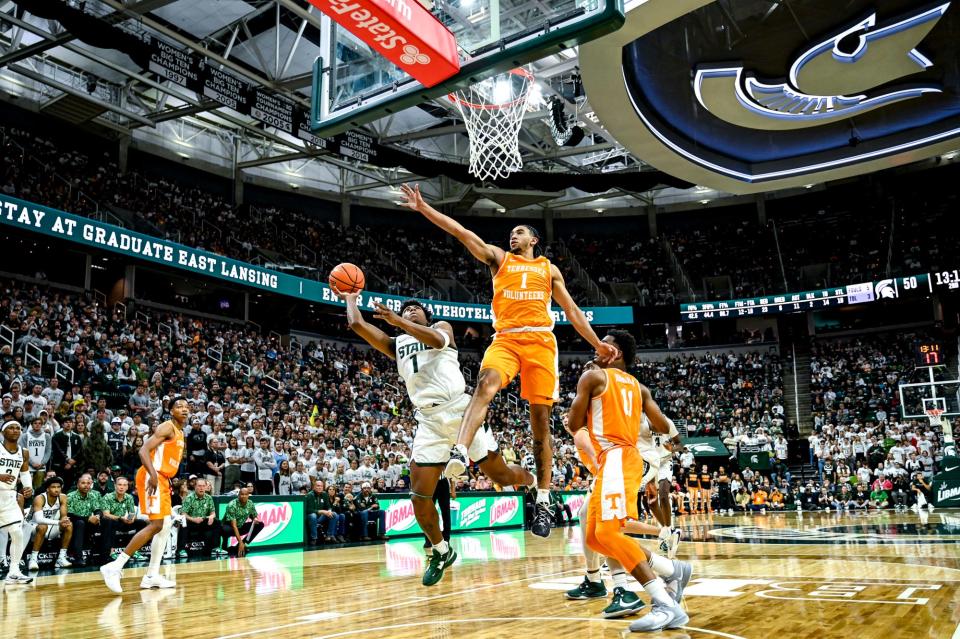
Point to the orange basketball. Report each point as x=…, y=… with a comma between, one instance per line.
x=347, y=278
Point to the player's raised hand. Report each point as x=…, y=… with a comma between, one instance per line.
x=411, y=197
x=607, y=352
x=346, y=297
x=388, y=316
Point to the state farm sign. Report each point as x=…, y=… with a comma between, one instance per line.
x=402, y=31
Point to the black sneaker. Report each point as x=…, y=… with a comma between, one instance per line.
x=587, y=590
x=542, y=519
x=436, y=565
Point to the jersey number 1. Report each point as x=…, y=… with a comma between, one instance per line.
x=416, y=368
x=627, y=401
x=523, y=281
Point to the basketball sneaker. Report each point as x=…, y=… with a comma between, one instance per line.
x=33, y=565
x=682, y=571
x=111, y=577
x=458, y=462
x=156, y=581
x=63, y=562
x=664, y=537
x=17, y=580
x=436, y=565
x=542, y=519
x=676, y=535
x=660, y=617
x=587, y=590
x=624, y=604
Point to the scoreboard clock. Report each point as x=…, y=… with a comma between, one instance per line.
x=929, y=353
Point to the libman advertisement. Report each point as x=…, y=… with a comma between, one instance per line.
x=282, y=517
x=473, y=511
x=946, y=493
x=575, y=500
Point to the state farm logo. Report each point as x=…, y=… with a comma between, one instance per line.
x=503, y=510
x=275, y=518
x=400, y=516
x=412, y=55
x=381, y=35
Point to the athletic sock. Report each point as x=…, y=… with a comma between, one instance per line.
x=658, y=592
x=664, y=532
x=593, y=576
x=34, y=555
x=443, y=547
x=157, y=546
x=63, y=553
x=121, y=560
x=620, y=579
x=661, y=565
x=543, y=495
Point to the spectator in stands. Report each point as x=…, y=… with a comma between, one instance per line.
x=759, y=500
x=199, y=521
x=104, y=483
x=240, y=522
x=368, y=506
x=67, y=449
x=40, y=446
x=742, y=500
x=320, y=514
x=266, y=464
x=215, y=462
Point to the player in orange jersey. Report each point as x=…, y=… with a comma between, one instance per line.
x=524, y=283
x=160, y=456
x=605, y=422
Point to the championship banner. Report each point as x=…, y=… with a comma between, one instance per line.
x=705, y=446
x=471, y=511
x=35, y=218
x=282, y=516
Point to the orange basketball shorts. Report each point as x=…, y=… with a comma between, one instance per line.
x=157, y=505
x=612, y=502
x=534, y=356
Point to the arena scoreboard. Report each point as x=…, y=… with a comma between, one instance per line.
x=908, y=287
x=928, y=353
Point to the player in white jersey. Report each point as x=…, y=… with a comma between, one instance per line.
x=426, y=356
x=13, y=466
x=654, y=450
x=49, y=517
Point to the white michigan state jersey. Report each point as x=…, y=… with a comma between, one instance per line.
x=650, y=442
x=10, y=464
x=432, y=375
x=49, y=511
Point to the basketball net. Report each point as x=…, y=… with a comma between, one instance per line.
x=492, y=111
x=935, y=416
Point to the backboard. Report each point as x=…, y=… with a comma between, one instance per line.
x=916, y=398
x=353, y=85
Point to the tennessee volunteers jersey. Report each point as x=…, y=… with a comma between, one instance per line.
x=522, y=290
x=167, y=456
x=614, y=417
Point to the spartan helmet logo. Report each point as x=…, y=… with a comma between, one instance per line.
x=826, y=81
x=412, y=55
x=885, y=290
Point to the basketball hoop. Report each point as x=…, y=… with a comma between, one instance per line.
x=492, y=111
x=934, y=415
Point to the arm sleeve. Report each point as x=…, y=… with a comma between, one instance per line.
x=38, y=518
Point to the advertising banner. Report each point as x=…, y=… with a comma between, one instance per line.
x=473, y=511
x=706, y=446
x=574, y=499
x=282, y=517
x=27, y=216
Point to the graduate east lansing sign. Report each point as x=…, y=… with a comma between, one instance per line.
x=92, y=233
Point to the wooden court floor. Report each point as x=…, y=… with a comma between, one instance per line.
x=812, y=576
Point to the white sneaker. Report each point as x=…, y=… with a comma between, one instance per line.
x=17, y=580
x=111, y=577
x=660, y=617
x=63, y=562
x=682, y=571
x=675, y=536
x=664, y=538
x=930, y=507
x=33, y=565
x=156, y=581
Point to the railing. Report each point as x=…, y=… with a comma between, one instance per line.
x=306, y=398
x=63, y=371
x=272, y=383
x=243, y=367
x=259, y=328
x=139, y=317
x=7, y=336
x=278, y=336
x=215, y=354
x=163, y=325
x=678, y=273
x=205, y=225
x=122, y=307
x=100, y=298
x=513, y=400
x=33, y=353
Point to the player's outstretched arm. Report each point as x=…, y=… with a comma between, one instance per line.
x=440, y=335
x=659, y=423
x=606, y=352
x=490, y=255
x=370, y=333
